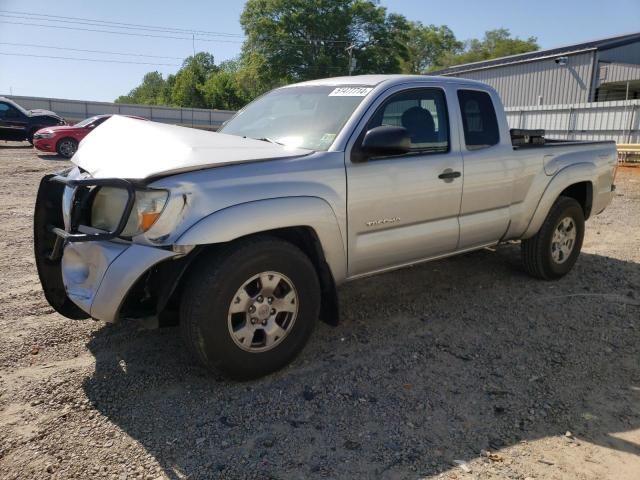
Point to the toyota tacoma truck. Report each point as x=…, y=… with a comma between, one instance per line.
x=243, y=235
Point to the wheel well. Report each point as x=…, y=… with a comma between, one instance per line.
x=583, y=193
x=305, y=238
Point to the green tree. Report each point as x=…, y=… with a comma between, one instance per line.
x=187, y=89
x=152, y=91
x=294, y=40
x=223, y=90
x=496, y=43
x=427, y=46
x=379, y=39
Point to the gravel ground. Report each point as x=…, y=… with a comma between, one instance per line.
x=461, y=368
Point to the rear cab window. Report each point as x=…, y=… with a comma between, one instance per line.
x=479, y=119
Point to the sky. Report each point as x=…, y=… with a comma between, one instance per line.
x=23, y=72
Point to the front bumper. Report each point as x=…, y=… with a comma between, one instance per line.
x=44, y=145
x=98, y=275
x=85, y=273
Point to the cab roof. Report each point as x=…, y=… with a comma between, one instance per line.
x=375, y=80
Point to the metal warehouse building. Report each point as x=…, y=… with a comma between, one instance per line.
x=596, y=71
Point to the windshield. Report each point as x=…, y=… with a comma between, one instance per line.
x=20, y=108
x=86, y=121
x=307, y=117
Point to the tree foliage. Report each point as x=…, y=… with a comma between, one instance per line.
x=428, y=46
x=295, y=40
x=495, y=43
x=152, y=91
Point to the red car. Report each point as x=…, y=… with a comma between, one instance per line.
x=64, y=139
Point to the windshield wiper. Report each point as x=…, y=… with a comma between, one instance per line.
x=270, y=140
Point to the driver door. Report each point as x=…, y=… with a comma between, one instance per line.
x=404, y=208
x=13, y=125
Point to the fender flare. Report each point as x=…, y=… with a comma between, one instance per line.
x=258, y=216
x=572, y=174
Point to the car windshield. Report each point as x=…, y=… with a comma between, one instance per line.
x=20, y=108
x=86, y=121
x=307, y=117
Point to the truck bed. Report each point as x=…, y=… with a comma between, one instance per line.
x=522, y=138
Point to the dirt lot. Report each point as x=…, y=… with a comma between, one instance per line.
x=462, y=368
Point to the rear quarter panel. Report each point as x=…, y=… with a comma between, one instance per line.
x=563, y=166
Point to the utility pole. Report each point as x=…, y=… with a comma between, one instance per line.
x=349, y=50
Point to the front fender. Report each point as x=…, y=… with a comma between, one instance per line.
x=260, y=216
x=576, y=173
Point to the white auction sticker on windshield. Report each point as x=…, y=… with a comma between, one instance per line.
x=350, y=91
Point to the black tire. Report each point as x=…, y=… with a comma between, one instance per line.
x=66, y=147
x=536, y=251
x=213, y=283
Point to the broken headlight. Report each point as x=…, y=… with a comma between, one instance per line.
x=109, y=204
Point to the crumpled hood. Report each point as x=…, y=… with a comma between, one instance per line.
x=127, y=148
x=43, y=113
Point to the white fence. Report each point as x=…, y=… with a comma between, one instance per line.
x=75, y=110
x=619, y=121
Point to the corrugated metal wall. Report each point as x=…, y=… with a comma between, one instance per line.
x=619, y=121
x=618, y=72
x=76, y=110
x=523, y=84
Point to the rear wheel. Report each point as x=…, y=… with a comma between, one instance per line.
x=67, y=147
x=250, y=308
x=553, y=251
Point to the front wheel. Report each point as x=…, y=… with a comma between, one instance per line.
x=553, y=251
x=67, y=147
x=249, y=308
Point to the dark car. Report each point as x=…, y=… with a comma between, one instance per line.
x=17, y=123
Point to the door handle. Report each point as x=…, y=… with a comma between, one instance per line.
x=449, y=175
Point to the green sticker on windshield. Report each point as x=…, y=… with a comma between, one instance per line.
x=327, y=140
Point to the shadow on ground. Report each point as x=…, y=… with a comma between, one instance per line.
x=51, y=156
x=12, y=145
x=429, y=364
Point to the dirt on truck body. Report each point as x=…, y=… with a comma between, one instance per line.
x=464, y=367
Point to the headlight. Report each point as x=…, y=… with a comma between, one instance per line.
x=109, y=203
x=44, y=134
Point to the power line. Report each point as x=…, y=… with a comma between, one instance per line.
x=134, y=27
x=122, y=24
x=119, y=33
x=97, y=60
x=310, y=42
x=87, y=51
x=108, y=25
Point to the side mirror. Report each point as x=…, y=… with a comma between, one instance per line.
x=386, y=140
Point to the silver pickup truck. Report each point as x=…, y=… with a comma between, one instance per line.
x=242, y=236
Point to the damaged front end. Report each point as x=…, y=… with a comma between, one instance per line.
x=88, y=271
x=48, y=247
